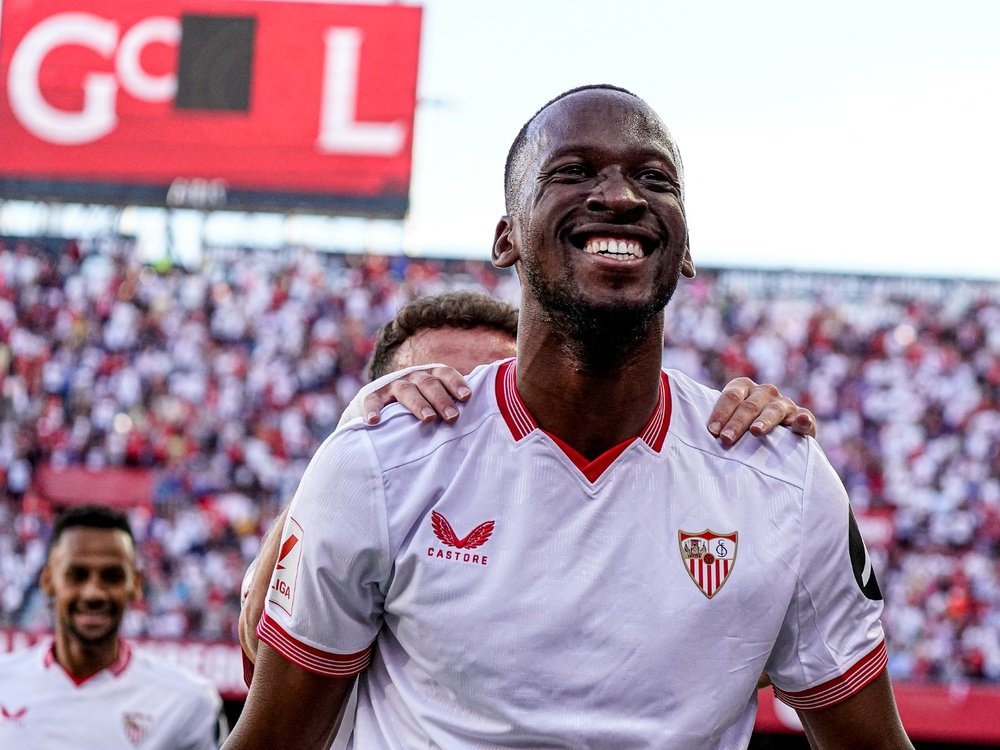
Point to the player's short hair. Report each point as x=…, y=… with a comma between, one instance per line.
x=90, y=517
x=461, y=309
x=511, y=166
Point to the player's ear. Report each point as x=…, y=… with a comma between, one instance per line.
x=687, y=264
x=137, y=581
x=505, y=246
x=45, y=580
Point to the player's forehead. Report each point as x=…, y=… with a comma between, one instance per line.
x=461, y=348
x=603, y=120
x=96, y=548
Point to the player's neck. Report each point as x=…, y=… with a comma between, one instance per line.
x=591, y=404
x=81, y=660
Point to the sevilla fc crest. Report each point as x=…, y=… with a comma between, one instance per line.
x=137, y=726
x=708, y=558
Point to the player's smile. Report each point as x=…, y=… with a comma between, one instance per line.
x=615, y=243
x=93, y=620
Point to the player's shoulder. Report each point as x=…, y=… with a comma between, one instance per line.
x=782, y=454
x=182, y=683
x=22, y=661
x=400, y=438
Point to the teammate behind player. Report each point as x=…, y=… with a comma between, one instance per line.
x=574, y=562
x=88, y=688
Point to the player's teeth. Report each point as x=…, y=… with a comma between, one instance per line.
x=620, y=248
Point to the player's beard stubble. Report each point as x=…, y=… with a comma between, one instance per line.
x=599, y=336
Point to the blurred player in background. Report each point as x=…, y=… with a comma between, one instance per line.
x=88, y=688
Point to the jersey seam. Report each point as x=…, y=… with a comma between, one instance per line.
x=756, y=469
x=378, y=479
x=435, y=448
x=837, y=671
x=798, y=555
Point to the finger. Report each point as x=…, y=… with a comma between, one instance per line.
x=762, y=408
x=763, y=681
x=732, y=396
x=436, y=392
x=409, y=395
x=773, y=414
x=374, y=402
x=453, y=382
x=802, y=422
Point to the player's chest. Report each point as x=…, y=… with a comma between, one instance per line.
x=56, y=716
x=641, y=570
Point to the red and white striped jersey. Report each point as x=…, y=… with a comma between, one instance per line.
x=138, y=702
x=498, y=589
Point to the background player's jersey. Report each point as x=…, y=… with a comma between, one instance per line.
x=139, y=702
x=520, y=596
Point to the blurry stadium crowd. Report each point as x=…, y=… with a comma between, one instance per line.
x=224, y=382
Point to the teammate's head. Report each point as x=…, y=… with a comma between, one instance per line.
x=462, y=329
x=90, y=574
x=596, y=225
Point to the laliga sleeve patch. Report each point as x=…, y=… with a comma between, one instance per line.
x=861, y=561
x=286, y=569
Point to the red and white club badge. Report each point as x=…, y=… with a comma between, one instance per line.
x=137, y=725
x=708, y=558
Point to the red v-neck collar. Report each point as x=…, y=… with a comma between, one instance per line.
x=521, y=423
x=119, y=665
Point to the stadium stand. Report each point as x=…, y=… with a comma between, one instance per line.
x=195, y=398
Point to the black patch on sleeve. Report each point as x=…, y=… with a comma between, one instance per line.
x=860, y=560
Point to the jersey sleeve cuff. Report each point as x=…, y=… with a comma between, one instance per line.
x=247, y=668
x=308, y=657
x=839, y=689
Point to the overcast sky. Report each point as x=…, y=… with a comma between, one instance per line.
x=860, y=136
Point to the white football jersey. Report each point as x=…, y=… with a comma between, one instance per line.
x=499, y=590
x=138, y=702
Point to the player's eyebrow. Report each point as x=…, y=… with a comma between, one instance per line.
x=638, y=156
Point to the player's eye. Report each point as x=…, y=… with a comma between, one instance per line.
x=113, y=575
x=76, y=574
x=655, y=178
x=572, y=170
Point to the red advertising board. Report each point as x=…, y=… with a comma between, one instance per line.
x=965, y=714
x=245, y=104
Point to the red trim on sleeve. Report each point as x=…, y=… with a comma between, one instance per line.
x=839, y=689
x=247, y=668
x=308, y=657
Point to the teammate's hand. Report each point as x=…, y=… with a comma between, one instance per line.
x=746, y=406
x=763, y=681
x=428, y=394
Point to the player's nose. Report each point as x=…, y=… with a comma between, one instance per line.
x=613, y=193
x=92, y=590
